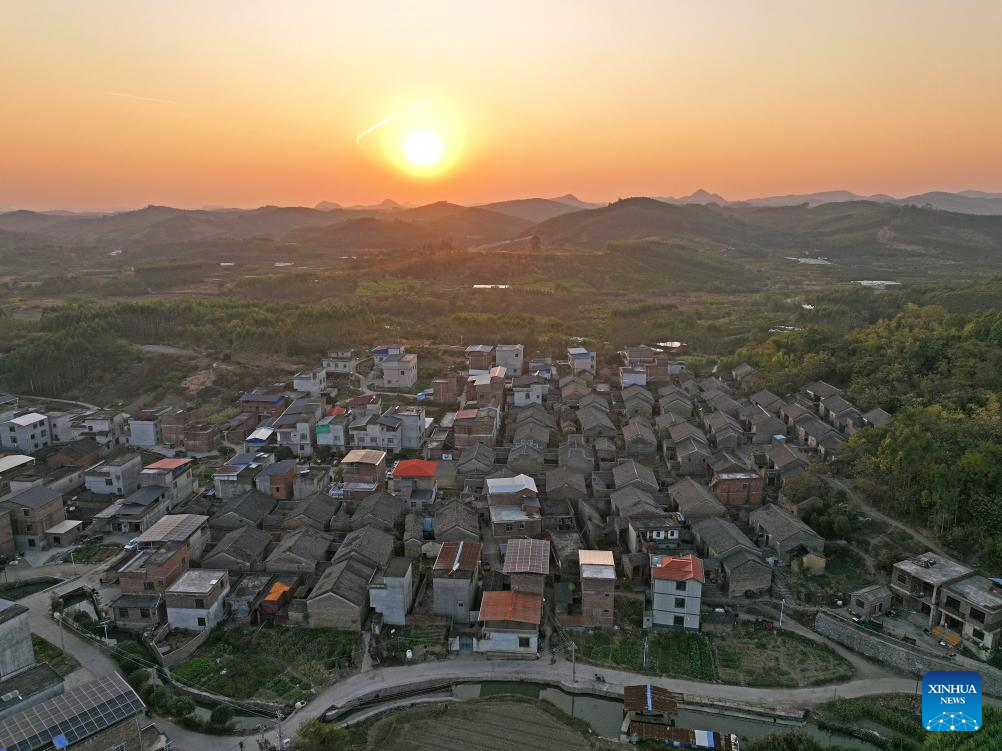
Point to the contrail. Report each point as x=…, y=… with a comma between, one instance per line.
x=390, y=119
x=123, y=95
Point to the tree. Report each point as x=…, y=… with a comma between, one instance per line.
x=182, y=706
x=284, y=452
x=221, y=715
x=315, y=735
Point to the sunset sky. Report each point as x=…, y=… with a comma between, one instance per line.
x=190, y=103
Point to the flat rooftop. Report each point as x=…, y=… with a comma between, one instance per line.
x=980, y=591
x=933, y=568
x=196, y=581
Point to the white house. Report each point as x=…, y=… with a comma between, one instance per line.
x=197, y=600
x=582, y=360
x=27, y=433
x=676, y=591
x=312, y=382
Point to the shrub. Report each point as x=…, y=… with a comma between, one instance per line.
x=221, y=715
x=182, y=706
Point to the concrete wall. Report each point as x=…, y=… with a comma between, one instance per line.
x=663, y=595
x=187, y=618
x=394, y=599
x=507, y=641
x=896, y=654
x=16, y=653
x=453, y=598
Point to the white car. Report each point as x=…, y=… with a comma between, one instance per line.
x=132, y=544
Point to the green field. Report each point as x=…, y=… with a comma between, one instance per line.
x=677, y=653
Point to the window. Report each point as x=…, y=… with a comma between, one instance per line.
x=860, y=604
x=978, y=634
x=977, y=615
x=679, y=602
x=524, y=642
x=123, y=612
x=200, y=603
x=953, y=603
x=201, y=621
x=148, y=586
x=144, y=613
x=902, y=579
x=679, y=620
x=680, y=586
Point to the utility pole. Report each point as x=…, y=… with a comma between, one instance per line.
x=62, y=639
x=280, y=744
x=645, y=653
x=782, y=605
x=573, y=645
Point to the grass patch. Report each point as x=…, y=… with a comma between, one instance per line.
x=21, y=589
x=630, y=612
x=46, y=651
x=94, y=553
x=245, y=663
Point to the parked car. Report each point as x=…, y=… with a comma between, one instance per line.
x=132, y=544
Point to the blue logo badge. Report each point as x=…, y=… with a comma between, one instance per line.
x=951, y=700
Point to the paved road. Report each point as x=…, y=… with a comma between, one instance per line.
x=33, y=398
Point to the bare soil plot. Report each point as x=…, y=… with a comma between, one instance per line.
x=495, y=725
x=775, y=658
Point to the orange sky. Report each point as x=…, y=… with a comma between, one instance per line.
x=119, y=104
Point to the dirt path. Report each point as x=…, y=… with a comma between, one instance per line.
x=860, y=500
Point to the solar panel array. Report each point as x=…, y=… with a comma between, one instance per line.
x=75, y=715
x=525, y=556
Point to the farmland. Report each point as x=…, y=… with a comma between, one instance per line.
x=245, y=663
x=676, y=653
x=760, y=658
x=494, y=725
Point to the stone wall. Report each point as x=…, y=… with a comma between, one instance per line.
x=908, y=658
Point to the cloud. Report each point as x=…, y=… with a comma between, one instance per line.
x=123, y=95
x=391, y=119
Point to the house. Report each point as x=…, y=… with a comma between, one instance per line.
x=511, y=357
x=197, y=600
x=487, y=389
x=364, y=473
x=594, y=423
x=15, y=635
x=737, y=485
x=573, y=389
x=239, y=551
x=118, y=476
x=819, y=390
x=332, y=430
x=639, y=439
x=593, y=399
x=383, y=351
x=783, y=535
x=33, y=511
x=232, y=480
x=479, y=357
x=764, y=428
x=263, y=401
x=174, y=421
x=785, y=462
x=136, y=512
x=533, y=433
x=456, y=522
x=724, y=431
x=455, y=576
x=399, y=371
x=8, y=549
x=101, y=714
x=876, y=418
x=202, y=438
x=504, y=491
x=741, y=565
x=527, y=564
x=526, y=456
x=917, y=583
x=295, y=427
x=366, y=404
x=527, y=390
x=414, y=482
x=576, y=455
x=476, y=461
x=870, y=602
x=315, y=511
x=582, y=360
x=566, y=485
x=366, y=544
x=299, y=552
x=413, y=535
x=676, y=403
x=391, y=591
x=13, y=466
x=382, y=431
x=340, y=598
x=633, y=376
x=510, y=623
x=340, y=361
x=676, y=591
x=695, y=500
x=380, y=510
x=742, y=372
x=476, y=425
x=972, y=608
x=144, y=428
x=26, y=432
x=312, y=382
x=174, y=475
x=767, y=401
x=598, y=586
x=153, y=571
x=138, y=612
x=247, y=510
x=637, y=400
x=629, y=472
x=190, y=529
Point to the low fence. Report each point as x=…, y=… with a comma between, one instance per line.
x=908, y=658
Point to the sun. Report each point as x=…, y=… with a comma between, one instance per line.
x=424, y=148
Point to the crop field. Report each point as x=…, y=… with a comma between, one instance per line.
x=494, y=725
x=759, y=658
x=676, y=653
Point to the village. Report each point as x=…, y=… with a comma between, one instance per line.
x=636, y=516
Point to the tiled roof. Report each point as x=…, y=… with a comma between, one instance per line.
x=458, y=556
x=678, y=569
x=517, y=607
x=415, y=468
x=648, y=698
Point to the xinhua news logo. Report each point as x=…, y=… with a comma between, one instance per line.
x=951, y=700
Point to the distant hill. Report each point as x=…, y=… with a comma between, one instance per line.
x=572, y=200
x=532, y=209
x=700, y=196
